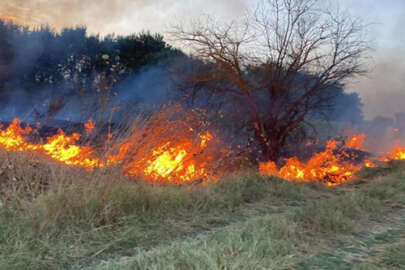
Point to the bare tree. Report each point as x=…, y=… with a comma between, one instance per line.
x=279, y=64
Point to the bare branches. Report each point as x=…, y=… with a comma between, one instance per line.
x=286, y=52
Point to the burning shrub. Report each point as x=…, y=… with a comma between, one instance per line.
x=174, y=146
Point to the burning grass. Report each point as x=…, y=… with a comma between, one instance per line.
x=174, y=146
x=334, y=165
x=166, y=148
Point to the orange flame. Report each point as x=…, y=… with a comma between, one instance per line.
x=89, y=126
x=173, y=161
x=398, y=153
x=66, y=150
x=370, y=164
x=180, y=156
x=60, y=147
x=12, y=138
x=356, y=142
x=326, y=166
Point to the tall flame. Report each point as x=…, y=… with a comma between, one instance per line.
x=12, y=138
x=174, y=162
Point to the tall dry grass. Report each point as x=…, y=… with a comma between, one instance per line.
x=55, y=217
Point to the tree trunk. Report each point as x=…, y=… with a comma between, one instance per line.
x=270, y=145
x=270, y=151
x=274, y=150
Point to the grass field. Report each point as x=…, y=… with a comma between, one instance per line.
x=54, y=217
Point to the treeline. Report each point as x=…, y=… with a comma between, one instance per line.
x=40, y=57
x=73, y=62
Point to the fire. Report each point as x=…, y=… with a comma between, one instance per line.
x=356, y=142
x=60, y=147
x=89, y=126
x=173, y=146
x=172, y=162
x=12, y=138
x=384, y=159
x=398, y=153
x=268, y=168
x=165, y=162
x=327, y=165
x=66, y=150
x=173, y=151
x=177, y=160
x=370, y=164
x=205, y=138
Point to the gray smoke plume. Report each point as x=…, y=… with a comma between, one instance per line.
x=383, y=89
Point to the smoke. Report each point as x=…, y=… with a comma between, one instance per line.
x=143, y=87
x=383, y=89
x=119, y=16
x=145, y=90
x=100, y=17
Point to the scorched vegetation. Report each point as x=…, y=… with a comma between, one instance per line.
x=135, y=155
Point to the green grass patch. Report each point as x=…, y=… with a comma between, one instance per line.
x=243, y=221
x=72, y=225
x=336, y=215
x=394, y=257
x=279, y=241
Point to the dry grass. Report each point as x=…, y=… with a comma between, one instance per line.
x=281, y=241
x=60, y=217
x=57, y=217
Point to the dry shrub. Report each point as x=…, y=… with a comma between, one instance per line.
x=25, y=176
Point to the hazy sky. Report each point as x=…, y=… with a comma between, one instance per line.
x=383, y=90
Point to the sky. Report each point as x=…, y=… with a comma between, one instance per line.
x=382, y=90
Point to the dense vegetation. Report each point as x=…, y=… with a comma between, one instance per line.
x=42, y=71
x=34, y=58
x=37, y=63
